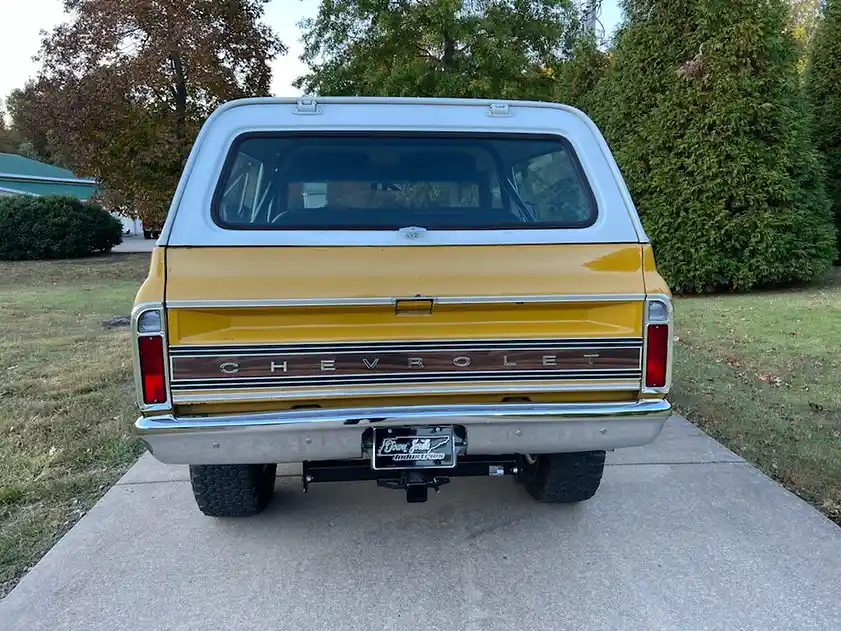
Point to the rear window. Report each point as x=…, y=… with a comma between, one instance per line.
x=388, y=182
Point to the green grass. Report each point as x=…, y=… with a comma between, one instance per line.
x=66, y=397
x=762, y=373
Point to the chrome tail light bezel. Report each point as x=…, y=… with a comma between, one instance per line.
x=653, y=315
x=136, y=315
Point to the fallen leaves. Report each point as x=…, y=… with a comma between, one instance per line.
x=770, y=379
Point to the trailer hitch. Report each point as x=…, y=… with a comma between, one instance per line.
x=416, y=482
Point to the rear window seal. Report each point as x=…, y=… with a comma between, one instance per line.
x=238, y=140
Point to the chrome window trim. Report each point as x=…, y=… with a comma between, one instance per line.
x=391, y=301
x=413, y=233
x=136, y=312
x=189, y=223
x=667, y=300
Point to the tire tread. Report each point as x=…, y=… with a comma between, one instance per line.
x=237, y=490
x=566, y=478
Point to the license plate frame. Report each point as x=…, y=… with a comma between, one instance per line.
x=413, y=448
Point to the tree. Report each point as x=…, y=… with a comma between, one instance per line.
x=805, y=15
x=8, y=139
x=823, y=86
x=126, y=84
x=31, y=126
x=479, y=48
x=703, y=108
x=578, y=76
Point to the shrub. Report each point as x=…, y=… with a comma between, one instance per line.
x=54, y=228
x=823, y=87
x=703, y=108
x=579, y=75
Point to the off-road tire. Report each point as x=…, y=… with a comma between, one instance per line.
x=563, y=478
x=232, y=490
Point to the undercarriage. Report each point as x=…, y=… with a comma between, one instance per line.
x=415, y=482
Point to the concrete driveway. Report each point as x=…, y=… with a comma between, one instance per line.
x=682, y=535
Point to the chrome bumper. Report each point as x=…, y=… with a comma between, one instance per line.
x=330, y=434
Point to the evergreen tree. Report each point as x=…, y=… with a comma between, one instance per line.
x=704, y=111
x=823, y=86
x=577, y=77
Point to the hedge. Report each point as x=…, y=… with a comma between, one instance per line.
x=54, y=228
x=703, y=107
x=823, y=87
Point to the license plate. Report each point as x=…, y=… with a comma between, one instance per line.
x=414, y=448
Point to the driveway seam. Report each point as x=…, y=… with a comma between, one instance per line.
x=646, y=464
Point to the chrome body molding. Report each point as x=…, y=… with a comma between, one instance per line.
x=313, y=392
x=338, y=348
x=416, y=365
x=328, y=434
x=387, y=301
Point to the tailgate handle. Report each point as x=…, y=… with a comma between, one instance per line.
x=413, y=306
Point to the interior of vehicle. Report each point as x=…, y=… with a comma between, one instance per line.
x=388, y=182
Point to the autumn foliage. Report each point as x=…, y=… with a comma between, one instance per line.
x=126, y=84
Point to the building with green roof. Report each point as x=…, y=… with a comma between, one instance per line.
x=23, y=176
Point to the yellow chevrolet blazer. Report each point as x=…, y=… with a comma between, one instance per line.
x=403, y=291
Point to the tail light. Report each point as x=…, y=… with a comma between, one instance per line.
x=150, y=353
x=657, y=346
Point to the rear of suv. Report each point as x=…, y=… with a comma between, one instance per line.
x=403, y=291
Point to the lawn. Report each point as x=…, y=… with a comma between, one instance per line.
x=759, y=372
x=66, y=397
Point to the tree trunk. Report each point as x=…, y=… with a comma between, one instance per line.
x=180, y=93
x=449, y=52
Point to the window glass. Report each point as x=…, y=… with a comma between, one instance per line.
x=388, y=182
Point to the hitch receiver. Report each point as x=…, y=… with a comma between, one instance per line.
x=416, y=493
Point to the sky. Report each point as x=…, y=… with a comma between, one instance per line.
x=21, y=22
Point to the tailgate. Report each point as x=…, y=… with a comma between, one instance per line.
x=320, y=325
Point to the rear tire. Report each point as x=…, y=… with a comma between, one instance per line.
x=233, y=490
x=562, y=478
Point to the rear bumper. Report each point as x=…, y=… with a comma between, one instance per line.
x=331, y=434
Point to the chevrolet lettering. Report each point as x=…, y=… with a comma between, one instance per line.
x=403, y=292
